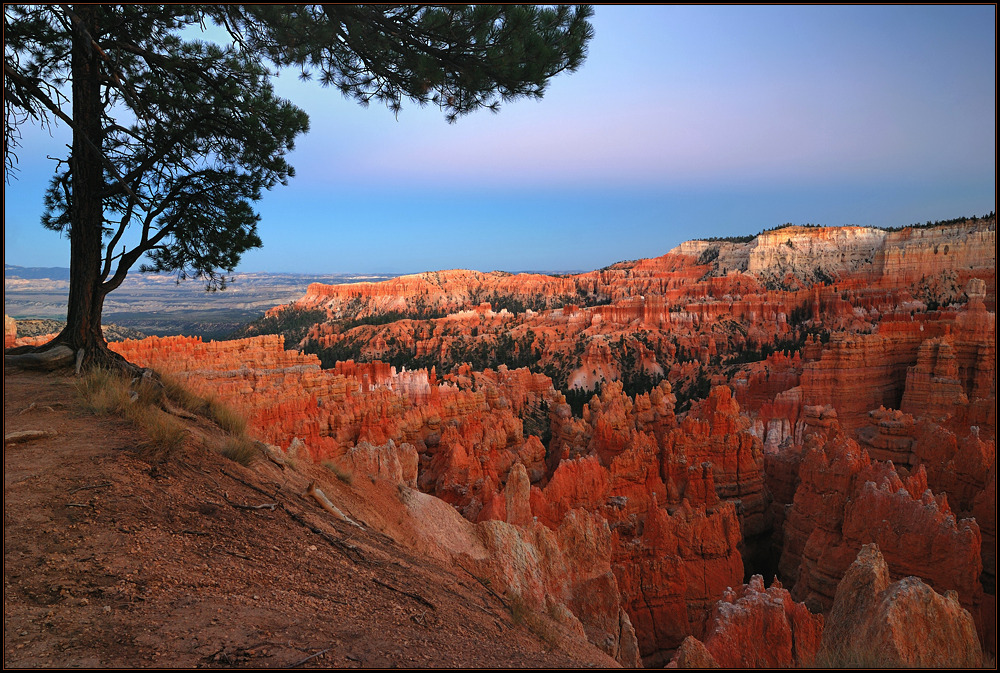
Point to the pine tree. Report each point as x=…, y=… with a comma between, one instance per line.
x=174, y=139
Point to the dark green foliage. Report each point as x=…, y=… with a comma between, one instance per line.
x=291, y=322
x=754, y=352
x=389, y=317
x=799, y=315
x=576, y=398
x=639, y=382
x=709, y=255
x=459, y=57
x=536, y=422
x=822, y=276
x=190, y=133
x=688, y=392
x=940, y=223
x=728, y=239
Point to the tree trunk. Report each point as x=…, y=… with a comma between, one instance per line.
x=86, y=297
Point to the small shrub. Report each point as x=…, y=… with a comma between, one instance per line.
x=518, y=608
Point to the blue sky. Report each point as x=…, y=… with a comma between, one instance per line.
x=683, y=122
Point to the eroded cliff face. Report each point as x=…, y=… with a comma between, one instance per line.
x=618, y=449
x=884, y=258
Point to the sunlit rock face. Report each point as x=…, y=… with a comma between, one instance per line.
x=756, y=628
x=877, y=622
x=624, y=446
x=9, y=331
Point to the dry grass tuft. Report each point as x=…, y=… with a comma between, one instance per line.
x=345, y=476
x=240, y=449
x=166, y=434
x=136, y=399
x=209, y=406
x=139, y=400
x=103, y=392
x=183, y=397
x=226, y=417
x=872, y=656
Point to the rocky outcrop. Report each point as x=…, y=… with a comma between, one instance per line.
x=860, y=372
x=802, y=251
x=676, y=539
x=757, y=628
x=397, y=464
x=904, y=624
x=564, y=573
x=715, y=432
x=985, y=511
x=693, y=654
x=672, y=574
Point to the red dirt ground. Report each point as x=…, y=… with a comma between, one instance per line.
x=114, y=557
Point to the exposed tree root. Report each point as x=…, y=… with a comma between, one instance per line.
x=23, y=436
x=57, y=355
x=49, y=359
x=325, y=503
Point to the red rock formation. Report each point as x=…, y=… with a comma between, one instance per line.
x=9, y=331
x=857, y=373
x=845, y=500
x=692, y=654
x=985, y=511
x=671, y=576
x=398, y=464
x=905, y=624
x=715, y=432
x=754, y=628
x=632, y=515
x=564, y=572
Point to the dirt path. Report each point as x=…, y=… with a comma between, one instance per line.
x=114, y=559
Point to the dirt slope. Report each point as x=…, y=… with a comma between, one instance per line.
x=116, y=557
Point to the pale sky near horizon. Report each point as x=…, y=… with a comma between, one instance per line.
x=683, y=122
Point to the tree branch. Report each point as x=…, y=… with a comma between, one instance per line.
x=41, y=96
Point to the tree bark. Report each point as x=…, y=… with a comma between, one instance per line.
x=86, y=297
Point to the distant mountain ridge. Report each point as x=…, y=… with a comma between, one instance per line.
x=35, y=272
